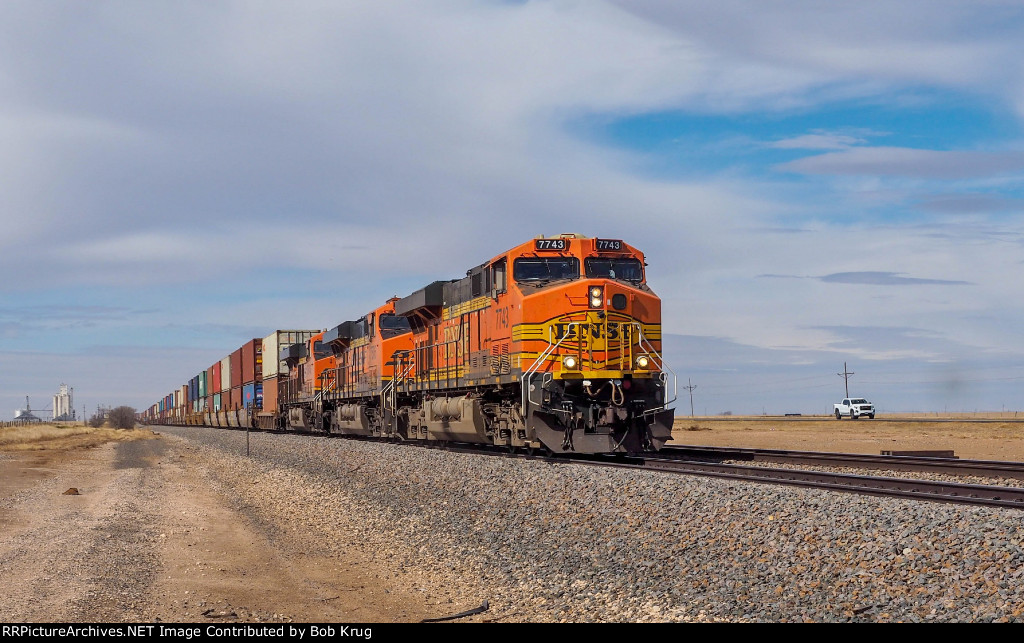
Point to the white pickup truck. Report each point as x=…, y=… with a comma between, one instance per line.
x=855, y=407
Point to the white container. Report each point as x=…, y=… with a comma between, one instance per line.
x=225, y=374
x=272, y=345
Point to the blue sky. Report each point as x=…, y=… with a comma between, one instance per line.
x=814, y=183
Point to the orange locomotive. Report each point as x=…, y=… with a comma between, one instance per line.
x=554, y=344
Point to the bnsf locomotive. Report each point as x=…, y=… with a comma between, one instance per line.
x=554, y=344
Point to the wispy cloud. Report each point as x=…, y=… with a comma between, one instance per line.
x=873, y=278
x=818, y=141
x=886, y=279
x=907, y=162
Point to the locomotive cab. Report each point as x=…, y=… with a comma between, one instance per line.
x=593, y=375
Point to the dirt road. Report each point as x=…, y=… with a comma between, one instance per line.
x=150, y=538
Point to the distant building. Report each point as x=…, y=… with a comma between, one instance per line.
x=25, y=414
x=63, y=404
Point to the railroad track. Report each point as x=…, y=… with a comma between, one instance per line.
x=920, y=462
x=930, y=490
x=670, y=460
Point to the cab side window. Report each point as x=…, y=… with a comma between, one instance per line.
x=498, y=270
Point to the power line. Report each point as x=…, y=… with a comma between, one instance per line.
x=690, y=388
x=846, y=377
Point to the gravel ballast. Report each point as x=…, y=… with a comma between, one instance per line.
x=544, y=542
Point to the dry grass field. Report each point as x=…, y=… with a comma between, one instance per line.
x=981, y=436
x=56, y=437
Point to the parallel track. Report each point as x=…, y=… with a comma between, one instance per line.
x=969, y=494
x=926, y=464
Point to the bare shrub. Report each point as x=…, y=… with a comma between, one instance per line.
x=97, y=420
x=123, y=417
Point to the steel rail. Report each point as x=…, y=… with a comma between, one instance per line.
x=928, y=464
x=951, y=492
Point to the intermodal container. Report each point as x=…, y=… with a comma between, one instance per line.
x=236, y=368
x=201, y=385
x=273, y=365
x=248, y=395
x=216, y=401
x=225, y=374
x=213, y=382
x=252, y=352
x=270, y=395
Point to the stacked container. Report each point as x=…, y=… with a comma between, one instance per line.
x=274, y=369
x=236, y=379
x=225, y=377
x=252, y=374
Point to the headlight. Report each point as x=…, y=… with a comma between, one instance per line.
x=569, y=362
x=596, y=296
x=642, y=362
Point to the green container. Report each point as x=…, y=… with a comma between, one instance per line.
x=202, y=384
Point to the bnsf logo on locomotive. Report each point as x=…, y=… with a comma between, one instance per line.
x=592, y=330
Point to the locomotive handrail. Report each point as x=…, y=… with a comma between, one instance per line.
x=661, y=360
x=530, y=372
x=388, y=394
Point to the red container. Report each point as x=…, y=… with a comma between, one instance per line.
x=236, y=368
x=214, y=377
x=270, y=395
x=236, y=398
x=252, y=351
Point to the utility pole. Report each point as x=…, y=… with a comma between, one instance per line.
x=690, y=388
x=846, y=376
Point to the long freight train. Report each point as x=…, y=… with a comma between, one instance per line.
x=554, y=344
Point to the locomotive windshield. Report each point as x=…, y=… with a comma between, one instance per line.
x=393, y=326
x=621, y=269
x=544, y=269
